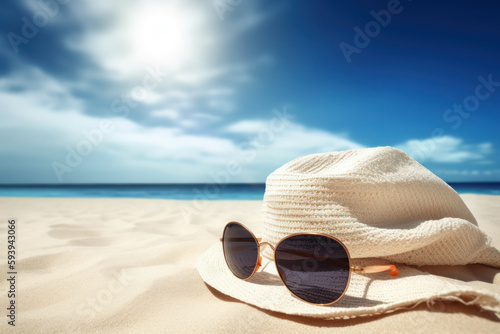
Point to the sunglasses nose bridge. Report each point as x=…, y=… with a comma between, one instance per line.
x=270, y=258
x=268, y=244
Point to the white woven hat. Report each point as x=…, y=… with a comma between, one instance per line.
x=386, y=208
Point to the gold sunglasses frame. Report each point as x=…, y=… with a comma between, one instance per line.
x=258, y=264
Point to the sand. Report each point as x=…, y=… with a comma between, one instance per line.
x=128, y=266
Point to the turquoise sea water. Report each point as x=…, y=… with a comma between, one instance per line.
x=182, y=191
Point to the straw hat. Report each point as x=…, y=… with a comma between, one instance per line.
x=386, y=208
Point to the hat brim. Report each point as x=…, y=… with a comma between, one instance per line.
x=368, y=294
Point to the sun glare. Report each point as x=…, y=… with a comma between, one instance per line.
x=165, y=34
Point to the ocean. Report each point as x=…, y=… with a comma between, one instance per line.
x=182, y=191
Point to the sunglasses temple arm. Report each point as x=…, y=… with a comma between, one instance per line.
x=376, y=269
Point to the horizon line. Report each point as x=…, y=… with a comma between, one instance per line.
x=179, y=183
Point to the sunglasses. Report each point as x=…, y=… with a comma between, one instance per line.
x=315, y=268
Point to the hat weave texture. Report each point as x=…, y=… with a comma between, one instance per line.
x=380, y=203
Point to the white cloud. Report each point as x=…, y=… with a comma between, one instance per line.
x=265, y=149
x=445, y=149
x=485, y=148
x=294, y=137
x=204, y=76
x=66, y=128
x=207, y=117
x=297, y=140
x=247, y=126
x=42, y=135
x=219, y=91
x=248, y=16
x=165, y=113
x=39, y=132
x=46, y=90
x=221, y=105
x=169, y=144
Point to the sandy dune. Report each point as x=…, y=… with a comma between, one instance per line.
x=128, y=266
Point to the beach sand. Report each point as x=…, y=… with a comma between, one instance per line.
x=128, y=266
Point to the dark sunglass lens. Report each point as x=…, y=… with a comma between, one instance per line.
x=314, y=267
x=240, y=250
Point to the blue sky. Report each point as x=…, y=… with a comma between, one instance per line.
x=227, y=91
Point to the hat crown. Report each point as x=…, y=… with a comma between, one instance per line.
x=358, y=164
x=378, y=201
